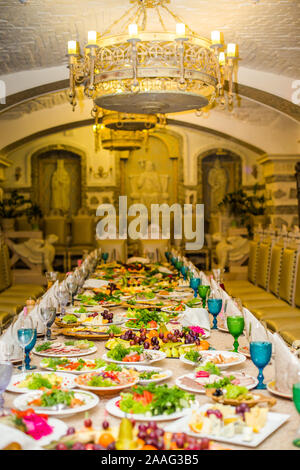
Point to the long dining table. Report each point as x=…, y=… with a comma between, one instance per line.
x=281, y=439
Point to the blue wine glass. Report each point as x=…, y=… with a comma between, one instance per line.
x=6, y=369
x=28, y=348
x=214, y=307
x=25, y=336
x=104, y=257
x=183, y=271
x=194, y=284
x=167, y=255
x=261, y=352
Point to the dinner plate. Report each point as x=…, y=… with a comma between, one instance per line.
x=112, y=408
x=274, y=421
x=67, y=383
x=10, y=434
x=22, y=403
x=197, y=390
x=113, y=389
x=73, y=372
x=208, y=355
x=83, y=352
x=167, y=373
x=271, y=387
x=157, y=356
x=71, y=310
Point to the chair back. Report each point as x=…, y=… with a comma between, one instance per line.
x=57, y=225
x=253, y=261
x=275, y=268
x=83, y=230
x=287, y=274
x=264, y=257
x=154, y=249
x=116, y=249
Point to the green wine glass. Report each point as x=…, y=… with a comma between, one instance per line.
x=235, y=325
x=296, y=399
x=203, y=294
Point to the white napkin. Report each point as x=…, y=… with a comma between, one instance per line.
x=196, y=317
x=95, y=283
x=204, y=279
x=287, y=366
x=259, y=332
x=163, y=269
x=9, y=338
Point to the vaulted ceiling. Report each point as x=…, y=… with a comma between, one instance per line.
x=34, y=35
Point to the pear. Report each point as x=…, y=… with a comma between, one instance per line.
x=125, y=439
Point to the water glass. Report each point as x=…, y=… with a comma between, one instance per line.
x=105, y=257
x=24, y=331
x=194, y=284
x=28, y=348
x=214, y=307
x=261, y=353
x=203, y=293
x=48, y=315
x=235, y=325
x=6, y=369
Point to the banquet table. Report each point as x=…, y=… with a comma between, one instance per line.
x=279, y=440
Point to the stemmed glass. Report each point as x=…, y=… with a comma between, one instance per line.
x=214, y=307
x=260, y=350
x=6, y=369
x=167, y=255
x=203, y=293
x=194, y=284
x=24, y=331
x=48, y=315
x=51, y=277
x=28, y=348
x=71, y=285
x=235, y=325
x=104, y=256
x=296, y=399
x=62, y=297
x=184, y=271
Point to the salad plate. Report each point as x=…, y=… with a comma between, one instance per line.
x=81, y=400
x=272, y=423
x=42, y=380
x=149, y=375
x=72, y=365
x=194, y=383
x=222, y=359
x=107, y=382
x=67, y=349
x=149, y=357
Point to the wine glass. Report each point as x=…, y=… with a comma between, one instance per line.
x=24, y=331
x=214, y=307
x=235, y=325
x=104, y=256
x=183, y=271
x=51, y=277
x=203, y=293
x=6, y=369
x=72, y=286
x=62, y=297
x=194, y=284
x=296, y=399
x=6, y=351
x=28, y=348
x=261, y=353
x=47, y=315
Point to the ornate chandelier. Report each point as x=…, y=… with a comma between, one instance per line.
x=150, y=72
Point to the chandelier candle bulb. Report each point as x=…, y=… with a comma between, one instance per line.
x=231, y=50
x=215, y=37
x=72, y=47
x=92, y=37
x=133, y=30
x=180, y=30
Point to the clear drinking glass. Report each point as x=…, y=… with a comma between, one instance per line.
x=24, y=330
x=71, y=285
x=6, y=369
x=47, y=315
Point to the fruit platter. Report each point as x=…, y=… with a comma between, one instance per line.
x=209, y=376
x=89, y=318
x=108, y=381
x=25, y=382
x=71, y=348
x=145, y=436
x=158, y=402
x=72, y=365
x=223, y=359
x=93, y=332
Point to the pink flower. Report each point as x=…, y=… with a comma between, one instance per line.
x=197, y=329
x=37, y=426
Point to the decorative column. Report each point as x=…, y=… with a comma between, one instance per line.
x=281, y=188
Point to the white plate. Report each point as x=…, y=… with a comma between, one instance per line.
x=274, y=421
x=84, y=352
x=67, y=383
x=114, y=410
x=71, y=310
x=115, y=388
x=73, y=372
x=272, y=389
x=194, y=390
x=10, y=434
x=91, y=400
x=158, y=356
x=167, y=374
x=240, y=358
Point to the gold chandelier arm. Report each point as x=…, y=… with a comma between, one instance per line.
x=108, y=30
x=160, y=19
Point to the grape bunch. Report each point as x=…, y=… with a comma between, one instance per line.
x=106, y=315
x=242, y=409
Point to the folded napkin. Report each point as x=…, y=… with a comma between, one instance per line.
x=95, y=283
x=258, y=331
x=196, y=317
x=287, y=366
x=163, y=269
x=204, y=279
